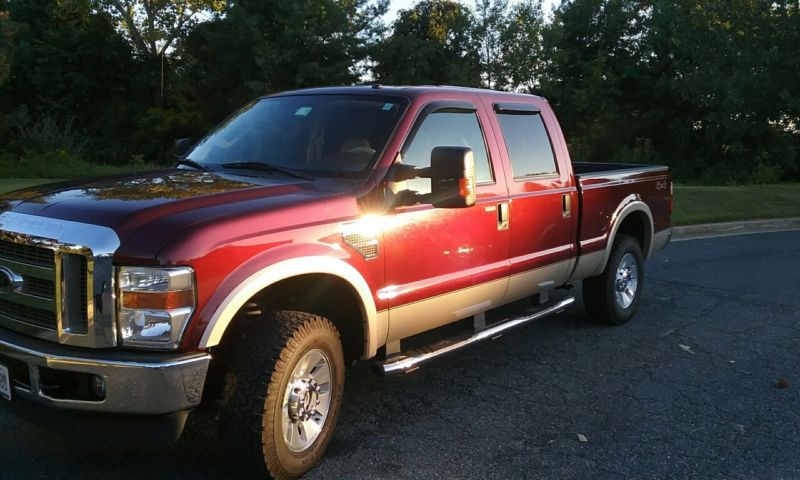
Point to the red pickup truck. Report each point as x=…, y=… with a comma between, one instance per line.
x=310, y=229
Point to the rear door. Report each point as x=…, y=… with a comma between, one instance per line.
x=542, y=196
x=444, y=264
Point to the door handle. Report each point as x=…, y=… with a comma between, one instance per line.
x=502, y=216
x=566, y=205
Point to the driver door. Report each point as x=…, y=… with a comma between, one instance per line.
x=445, y=264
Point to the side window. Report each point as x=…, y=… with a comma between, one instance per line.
x=528, y=144
x=447, y=129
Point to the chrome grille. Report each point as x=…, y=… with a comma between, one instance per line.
x=53, y=296
x=61, y=284
x=31, y=255
x=28, y=315
x=34, y=301
x=38, y=287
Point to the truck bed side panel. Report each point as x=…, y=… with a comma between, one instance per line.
x=605, y=193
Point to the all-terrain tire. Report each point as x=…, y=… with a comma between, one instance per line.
x=261, y=366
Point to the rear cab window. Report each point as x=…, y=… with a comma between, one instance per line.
x=527, y=141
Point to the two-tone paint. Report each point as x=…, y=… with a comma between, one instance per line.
x=433, y=266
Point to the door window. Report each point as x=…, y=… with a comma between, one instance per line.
x=447, y=128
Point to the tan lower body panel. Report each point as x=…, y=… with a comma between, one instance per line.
x=529, y=283
x=587, y=265
x=417, y=317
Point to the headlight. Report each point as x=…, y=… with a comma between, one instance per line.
x=154, y=306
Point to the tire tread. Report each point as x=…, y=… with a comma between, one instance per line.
x=262, y=352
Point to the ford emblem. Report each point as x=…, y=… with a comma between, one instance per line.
x=9, y=281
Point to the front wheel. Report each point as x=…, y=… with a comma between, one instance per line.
x=283, y=394
x=613, y=296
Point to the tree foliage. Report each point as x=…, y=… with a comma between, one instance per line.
x=263, y=46
x=6, y=42
x=707, y=86
x=70, y=73
x=701, y=86
x=432, y=43
x=523, y=57
x=153, y=26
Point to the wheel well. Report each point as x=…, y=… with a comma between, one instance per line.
x=636, y=224
x=321, y=294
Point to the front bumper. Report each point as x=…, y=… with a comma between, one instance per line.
x=136, y=383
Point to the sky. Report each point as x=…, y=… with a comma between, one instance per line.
x=395, y=5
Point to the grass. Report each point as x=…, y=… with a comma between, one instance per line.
x=693, y=204
x=10, y=184
x=699, y=204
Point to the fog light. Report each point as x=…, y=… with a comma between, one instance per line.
x=161, y=329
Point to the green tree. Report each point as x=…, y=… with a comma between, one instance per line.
x=594, y=76
x=732, y=64
x=70, y=81
x=6, y=39
x=153, y=26
x=431, y=43
x=521, y=48
x=491, y=20
x=264, y=46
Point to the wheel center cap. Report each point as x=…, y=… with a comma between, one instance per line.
x=624, y=282
x=303, y=400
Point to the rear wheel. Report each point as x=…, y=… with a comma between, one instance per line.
x=283, y=394
x=613, y=296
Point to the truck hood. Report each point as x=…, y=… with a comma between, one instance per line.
x=148, y=210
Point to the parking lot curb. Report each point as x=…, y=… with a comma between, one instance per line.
x=710, y=230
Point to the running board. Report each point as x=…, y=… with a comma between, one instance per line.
x=411, y=360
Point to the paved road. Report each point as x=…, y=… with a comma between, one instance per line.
x=513, y=408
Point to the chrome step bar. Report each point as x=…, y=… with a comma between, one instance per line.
x=411, y=360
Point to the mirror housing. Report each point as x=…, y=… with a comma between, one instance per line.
x=452, y=174
x=182, y=146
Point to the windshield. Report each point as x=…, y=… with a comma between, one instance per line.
x=322, y=135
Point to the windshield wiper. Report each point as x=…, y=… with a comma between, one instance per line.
x=191, y=163
x=267, y=167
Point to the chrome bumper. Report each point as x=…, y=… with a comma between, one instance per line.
x=135, y=382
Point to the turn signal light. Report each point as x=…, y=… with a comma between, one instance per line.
x=465, y=187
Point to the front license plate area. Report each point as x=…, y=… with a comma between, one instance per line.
x=5, y=383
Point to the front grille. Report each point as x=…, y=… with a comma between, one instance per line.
x=43, y=300
x=80, y=323
x=38, y=287
x=56, y=280
x=42, y=257
x=28, y=315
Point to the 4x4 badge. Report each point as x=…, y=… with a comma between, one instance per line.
x=9, y=281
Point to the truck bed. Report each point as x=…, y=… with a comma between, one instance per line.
x=606, y=188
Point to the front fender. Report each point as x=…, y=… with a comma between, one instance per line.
x=282, y=264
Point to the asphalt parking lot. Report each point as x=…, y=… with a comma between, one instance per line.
x=686, y=390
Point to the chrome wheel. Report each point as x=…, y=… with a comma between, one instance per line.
x=307, y=400
x=627, y=280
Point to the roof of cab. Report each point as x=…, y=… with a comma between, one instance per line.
x=409, y=91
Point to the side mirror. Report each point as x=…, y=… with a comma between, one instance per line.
x=452, y=174
x=182, y=146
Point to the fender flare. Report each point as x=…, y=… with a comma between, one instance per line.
x=634, y=204
x=284, y=270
